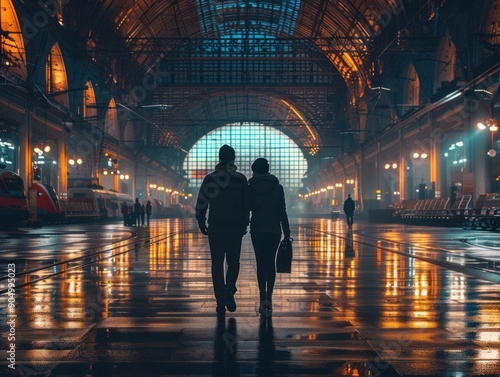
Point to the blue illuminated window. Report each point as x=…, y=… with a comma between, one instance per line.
x=250, y=141
x=249, y=19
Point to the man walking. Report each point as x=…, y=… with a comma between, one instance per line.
x=349, y=211
x=137, y=212
x=224, y=194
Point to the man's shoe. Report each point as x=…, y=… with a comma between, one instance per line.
x=230, y=303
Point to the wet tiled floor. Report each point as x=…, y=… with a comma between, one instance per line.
x=385, y=300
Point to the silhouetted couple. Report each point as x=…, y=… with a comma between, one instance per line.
x=229, y=199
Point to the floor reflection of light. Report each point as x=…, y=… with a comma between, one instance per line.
x=350, y=370
x=41, y=309
x=423, y=314
x=488, y=354
x=458, y=288
x=351, y=270
x=421, y=285
x=488, y=336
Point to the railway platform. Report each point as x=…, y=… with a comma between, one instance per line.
x=383, y=300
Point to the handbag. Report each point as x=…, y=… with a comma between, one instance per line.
x=284, y=256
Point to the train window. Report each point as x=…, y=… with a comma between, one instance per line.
x=52, y=193
x=15, y=187
x=79, y=195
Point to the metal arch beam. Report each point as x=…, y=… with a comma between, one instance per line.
x=202, y=107
x=205, y=47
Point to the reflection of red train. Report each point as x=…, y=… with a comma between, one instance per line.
x=13, y=201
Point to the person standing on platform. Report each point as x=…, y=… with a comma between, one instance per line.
x=143, y=214
x=137, y=212
x=349, y=211
x=269, y=217
x=224, y=194
x=125, y=213
x=149, y=209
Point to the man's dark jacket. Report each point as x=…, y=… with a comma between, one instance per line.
x=349, y=206
x=224, y=194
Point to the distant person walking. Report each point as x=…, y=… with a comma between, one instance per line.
x=125, y=213
x=349, y=211
x=137, y=212
x=269, y=217
x=224, y=194
x=149, y=209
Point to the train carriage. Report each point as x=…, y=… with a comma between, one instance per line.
x=48, y=206
x=13, y=201
x=105, y=203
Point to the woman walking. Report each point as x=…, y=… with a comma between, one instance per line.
x=269, y=217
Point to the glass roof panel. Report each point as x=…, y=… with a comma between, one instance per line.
x=244, y=19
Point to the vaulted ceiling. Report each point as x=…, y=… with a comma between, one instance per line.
x=299, y=66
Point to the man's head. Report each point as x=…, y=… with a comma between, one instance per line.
x=226, y=153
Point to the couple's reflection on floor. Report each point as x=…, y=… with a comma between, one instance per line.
x=225, y=348
x=267, y=350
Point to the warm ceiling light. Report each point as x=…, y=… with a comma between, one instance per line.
x=491, y=124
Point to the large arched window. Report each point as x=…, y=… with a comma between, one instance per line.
x=89, y=105
x=12, y=52
x=446, y=62
x=250, y=140
x=55, y=76
x=411, y=98
x=111, y=120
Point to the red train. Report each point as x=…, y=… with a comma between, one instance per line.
x=48, y=207
x=83, y=204
x=13, y=201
